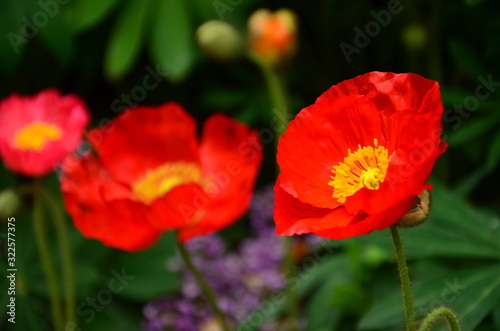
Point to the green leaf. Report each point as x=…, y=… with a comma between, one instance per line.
x=350, y=297
x=304, y=282
x=319, y=302
x=86, y=279
x=126, y=39
x=151, y=277
x=453, y=96
x=471, y=292
x=172, y=43
x=454, y=229
x=476, y=301
x=205, y=10
x=114, y=316
x=467, y=58
x=496, y=316
x=85, y=14
x=57, y=35
x=470, y=182
x=494, y=154
x=472, y=129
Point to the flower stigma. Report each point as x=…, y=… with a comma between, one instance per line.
x=366, y=167
x=159, y=181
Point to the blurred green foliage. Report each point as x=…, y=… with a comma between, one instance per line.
x=102, y=50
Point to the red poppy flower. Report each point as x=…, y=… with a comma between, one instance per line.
x=39, y=131
x=150, y=174
x=355, y=160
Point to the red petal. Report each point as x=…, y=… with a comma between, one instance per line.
x=319, y=138
x=388, y=90
x=118, y=223
x=230, y=155
x=174, y=209
x=367, y=223
x=294, y=217
x=144, y=138
x=415, y=141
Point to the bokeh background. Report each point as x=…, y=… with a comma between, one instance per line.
x=102, y=50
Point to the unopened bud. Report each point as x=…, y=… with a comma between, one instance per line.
x=9, y=203
x=220, y=40
x=419, y=211
x=273, y=37
x=414, y=36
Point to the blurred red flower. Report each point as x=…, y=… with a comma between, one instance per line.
x=273, y=36
x=39, y=131
x=355, y=160
x=150, y=174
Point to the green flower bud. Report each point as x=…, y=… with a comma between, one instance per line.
x=414, y=36
x=419, y=211
x=9, y=203
x=220, y=40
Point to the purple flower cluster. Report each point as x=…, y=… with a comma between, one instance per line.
x=241, y=280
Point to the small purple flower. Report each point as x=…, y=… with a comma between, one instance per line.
x=241, y=280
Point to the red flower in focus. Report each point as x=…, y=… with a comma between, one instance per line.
x=273, y=36
x=39, y=131
x=150, y=174
x=355, y=160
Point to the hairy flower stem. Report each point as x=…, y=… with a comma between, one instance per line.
x=437, y=313
x=405, y=279
x=278, y=95
x=47, y=265
x=207, y=291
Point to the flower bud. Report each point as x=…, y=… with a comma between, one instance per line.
x=9, y=203
x=220, y=40
x=273, y=37
x=419, y=211
x=414, y=36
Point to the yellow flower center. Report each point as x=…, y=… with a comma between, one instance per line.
x=159, y=181
x=365, y=167
x=35, y=135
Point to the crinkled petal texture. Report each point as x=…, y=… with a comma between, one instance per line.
x=144, y=138
x=401, y=111
x=65, y=116
x=149, y=174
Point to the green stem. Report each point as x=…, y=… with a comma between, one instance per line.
x=292, y=304
x=48, y=267
x=405, y=278
x=207, y=291
x=434, y=315
x=65, y=251
x=277, y=93
x=276, y=90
